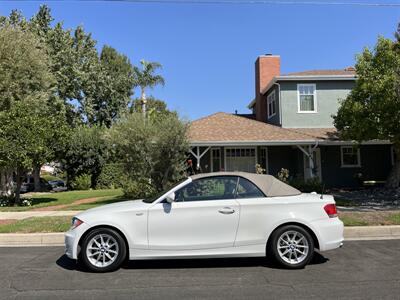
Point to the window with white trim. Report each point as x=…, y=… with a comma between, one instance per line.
x=307, y=100
x=350, y=156
x=271, y=101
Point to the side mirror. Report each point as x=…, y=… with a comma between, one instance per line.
x=170, y=197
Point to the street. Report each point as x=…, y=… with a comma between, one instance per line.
x=360, y=270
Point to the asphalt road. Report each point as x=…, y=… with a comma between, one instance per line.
x=360, y=270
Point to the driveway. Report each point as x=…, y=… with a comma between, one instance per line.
x=360, y=270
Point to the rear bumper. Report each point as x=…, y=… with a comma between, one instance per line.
x=329, y=233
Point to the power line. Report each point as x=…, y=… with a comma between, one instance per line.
x=246, y=2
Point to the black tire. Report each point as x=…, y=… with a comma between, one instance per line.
x=116, y=238
x=289, y=260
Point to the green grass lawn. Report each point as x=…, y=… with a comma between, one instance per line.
x=101, y=201
x=51, y=199
x=372, y=218
x=39, y=224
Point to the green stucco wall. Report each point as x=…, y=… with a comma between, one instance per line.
x=328, y=95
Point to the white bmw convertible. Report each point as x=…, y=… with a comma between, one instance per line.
x=227, y=214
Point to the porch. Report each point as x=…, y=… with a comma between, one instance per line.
x=226, y=142
x=328, y=163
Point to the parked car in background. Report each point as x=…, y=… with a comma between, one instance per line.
x=223, y=214
x=28, y=185
x=58, y=185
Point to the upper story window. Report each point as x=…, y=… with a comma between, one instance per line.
x=271, y=101
x=350, y=156
x=307, y=98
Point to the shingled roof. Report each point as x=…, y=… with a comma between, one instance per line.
x=223, y=127
x=339, y=72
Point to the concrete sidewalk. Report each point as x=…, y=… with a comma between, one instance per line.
x=355, y=233
x=19, y=215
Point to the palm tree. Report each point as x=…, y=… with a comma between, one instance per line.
x=145, y=78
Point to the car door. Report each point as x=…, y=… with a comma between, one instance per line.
x=258, y=214
x=204, y=215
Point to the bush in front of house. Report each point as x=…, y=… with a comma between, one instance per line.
x=152, y=150
x=138, y=188
x=82, y=182
x=112, y=176
x=307, y=186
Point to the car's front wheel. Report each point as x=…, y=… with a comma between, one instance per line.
x=292, y=246
x=103, y=250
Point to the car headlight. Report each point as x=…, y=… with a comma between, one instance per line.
x=75, y=223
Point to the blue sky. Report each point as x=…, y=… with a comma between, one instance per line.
x=208, y=51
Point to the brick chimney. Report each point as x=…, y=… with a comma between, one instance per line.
x=266, y=68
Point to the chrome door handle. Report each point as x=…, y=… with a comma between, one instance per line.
x=226, y=211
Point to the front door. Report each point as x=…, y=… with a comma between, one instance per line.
x=204, y=215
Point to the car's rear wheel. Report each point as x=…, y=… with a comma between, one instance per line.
x=292, y=246
x=103, y=250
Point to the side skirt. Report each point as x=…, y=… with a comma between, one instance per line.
x=242, y=251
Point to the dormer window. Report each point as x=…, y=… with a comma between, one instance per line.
x=271, y=101
x=307, y=98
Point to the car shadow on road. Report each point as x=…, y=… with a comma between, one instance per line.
x=69, y=264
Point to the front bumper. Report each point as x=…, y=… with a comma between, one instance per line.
x=329, y=233
x=72, y=238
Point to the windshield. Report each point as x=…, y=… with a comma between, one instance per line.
x=158, y=195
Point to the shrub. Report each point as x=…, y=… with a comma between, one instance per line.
x=82, y=182
x=283, y=175
x=307, y=186
x=6, y=201
x=9, y=201
x=139, y=188
x=112, y=176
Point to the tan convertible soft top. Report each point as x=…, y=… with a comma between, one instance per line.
x=268, y=184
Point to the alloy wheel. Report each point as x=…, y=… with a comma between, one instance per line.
x=292, y=247
x=102, y=250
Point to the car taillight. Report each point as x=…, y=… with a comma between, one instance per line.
x=330, y=209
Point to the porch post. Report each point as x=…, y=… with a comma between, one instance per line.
x=309, y=155
x=198, y=155
x=311, y=161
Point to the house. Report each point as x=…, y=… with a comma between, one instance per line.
x=291, y=127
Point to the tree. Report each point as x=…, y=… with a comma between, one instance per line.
x=145, y=78
x=154, y=107
x=26, y=84
x=101, y=83
x=115, y=87
x=372, y=109
x=26, y=133
x=153, y=153
x=86, y=152
x=24, y=71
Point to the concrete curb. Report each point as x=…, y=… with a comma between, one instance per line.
x=355, y=233
x=31, y=239
x=19, y=215
x=371, y=232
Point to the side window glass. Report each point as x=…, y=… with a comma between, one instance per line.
x=247, y=189
x=210, y=188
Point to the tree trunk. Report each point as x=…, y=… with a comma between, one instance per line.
x=393, y=179
x=6, y=183
x=36, y=178
x=144, y=101
x=18, y=187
